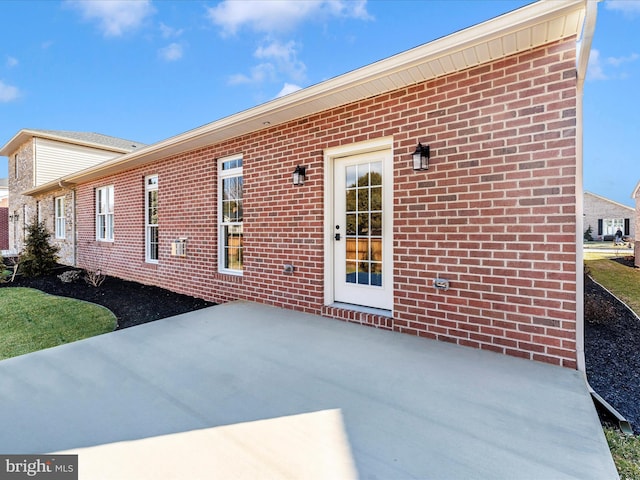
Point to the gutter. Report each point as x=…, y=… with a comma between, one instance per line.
x=582, y=62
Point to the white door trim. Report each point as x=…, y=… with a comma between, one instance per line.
x=330, y=154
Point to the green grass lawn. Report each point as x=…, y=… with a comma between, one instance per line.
x=625, y=450
x=624, y=283
x=621, y=280
x=31, y=320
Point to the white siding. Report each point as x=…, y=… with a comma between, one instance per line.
x=54, y=159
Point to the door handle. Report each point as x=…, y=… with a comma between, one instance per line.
x=337, y=236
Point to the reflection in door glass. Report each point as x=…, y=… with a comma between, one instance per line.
x=364, y=224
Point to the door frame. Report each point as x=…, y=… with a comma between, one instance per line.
x=330, y=155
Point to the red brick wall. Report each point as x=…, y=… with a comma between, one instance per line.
x=495, y=212
x=4, y=228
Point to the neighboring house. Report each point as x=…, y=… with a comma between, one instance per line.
x=38, y=157
x=478, y=249
x=636, y=195
x=605, y=217
x=4, y=214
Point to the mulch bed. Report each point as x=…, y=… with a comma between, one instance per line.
x=612, y=345
x=132, y=303
x=612, y=351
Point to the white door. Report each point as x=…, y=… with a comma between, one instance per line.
x=362, y=230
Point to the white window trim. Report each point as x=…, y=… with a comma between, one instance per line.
x=222, y=174
x=109, y=234
x=60, y=222
x=148, y=226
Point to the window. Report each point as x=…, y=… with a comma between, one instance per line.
x=151, y=218
x=60, y=220
x=611, y=225
x=230, y=215
x=104, y=214
x=15, y=165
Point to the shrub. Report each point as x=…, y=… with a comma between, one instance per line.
x=39, y=256
x=598, y=310
x=94, y=277
x=588, y=234
x=5, y=273
x=70, y=276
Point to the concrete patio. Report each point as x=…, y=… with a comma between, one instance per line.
x=243, y=390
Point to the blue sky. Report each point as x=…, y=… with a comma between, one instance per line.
x=147, y=70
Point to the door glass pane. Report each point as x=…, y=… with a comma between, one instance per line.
x=351, y=272
x=376, y=274
x=375, y=249
x=376, y=198
x=350, y=179
x=363, y=231
x=376, y=224
x=351, y=224
x=363, y=199
x=363, y=273
x=363, y=223
x=351, y=249
x=351, y=200
x=363, y=249
x=376, y=173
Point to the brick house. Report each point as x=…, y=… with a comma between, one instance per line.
x=636, y=195
x=454, y=252
x=605, y=217
x=38, y=157
x=4, y=214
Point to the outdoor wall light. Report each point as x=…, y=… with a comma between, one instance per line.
x=299, y=175
x=421, y=157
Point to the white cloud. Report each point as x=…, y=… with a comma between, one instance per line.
x=285, y=57
x=617, y=61
x=628, y=7
x=281, y=59
x=170, y=32
x=273, y=17
x=171, y=52
x=8, y=93
x=115, y=17
x=595, y=70
x=287, y=89
x=46, y=44
x=608, y=68
x=11, y=61
x=259, y=74
x=280, y=15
